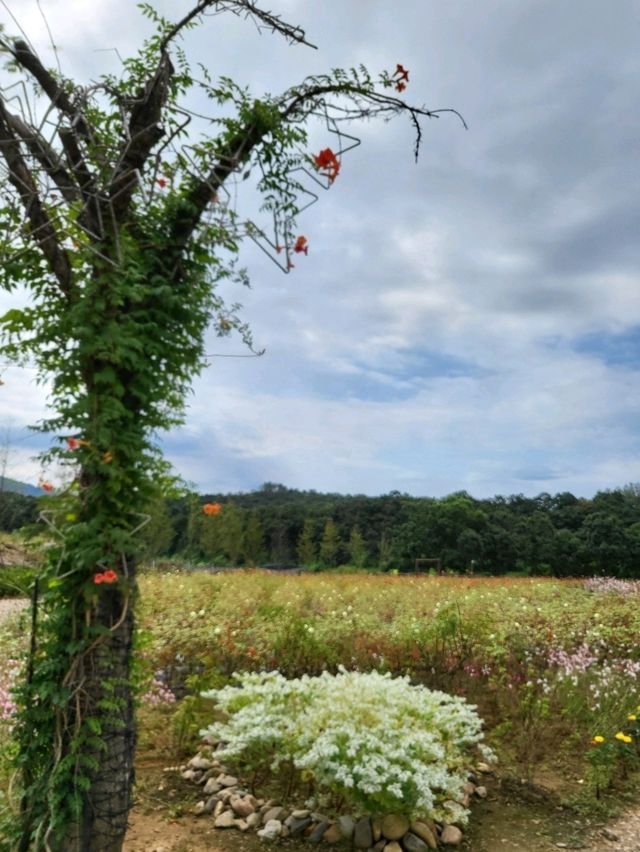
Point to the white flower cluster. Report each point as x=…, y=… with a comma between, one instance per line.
x=386, y=745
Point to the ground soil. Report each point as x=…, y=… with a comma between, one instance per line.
x=515, y=817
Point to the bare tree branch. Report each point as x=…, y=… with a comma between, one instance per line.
x=42, y=229
x=143, y=131
x=245, y=8
x=25, y=57
x=46, y=156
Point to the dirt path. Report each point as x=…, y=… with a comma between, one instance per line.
x=11, y=605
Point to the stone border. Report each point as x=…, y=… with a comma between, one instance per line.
x=231, y=806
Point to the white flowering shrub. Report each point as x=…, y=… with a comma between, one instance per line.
x=383, y=744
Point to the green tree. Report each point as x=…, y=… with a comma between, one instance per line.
x=357, y=548
x=157, y=534
x=231, y=522
x=329, y=545
x=111, y=221
x=253, y=541
x=385, y=552
x=209, y=535
x=307, y=550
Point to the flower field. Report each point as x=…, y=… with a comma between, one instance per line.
x=550, y=664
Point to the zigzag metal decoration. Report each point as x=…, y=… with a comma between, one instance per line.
x=282, y=233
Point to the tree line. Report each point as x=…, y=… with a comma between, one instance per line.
x=559, y=535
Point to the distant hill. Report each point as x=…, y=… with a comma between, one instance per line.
x=16, y=487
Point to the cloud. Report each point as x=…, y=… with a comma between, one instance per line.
x=467, y=322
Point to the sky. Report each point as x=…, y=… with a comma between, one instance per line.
x=470, y=322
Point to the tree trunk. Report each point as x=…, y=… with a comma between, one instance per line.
x=108, y=697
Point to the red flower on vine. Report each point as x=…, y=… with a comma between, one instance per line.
x=211, y=508
x=162, y=182
x=328, y=164
x=301, y=245
x=109, y=576
x=76, y=443
x=46, y=486
x=402, y=77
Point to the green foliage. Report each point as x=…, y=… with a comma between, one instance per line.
x=307, y=550
x=330, y=544
x=16, y=582
x=547, y=535
x=253, y=541
x=357, y=548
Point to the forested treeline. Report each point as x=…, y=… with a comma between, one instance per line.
x=549, y=534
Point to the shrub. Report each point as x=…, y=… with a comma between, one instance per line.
x=379, y=742
x=16, y=582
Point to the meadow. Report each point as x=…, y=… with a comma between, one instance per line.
x=552, y=665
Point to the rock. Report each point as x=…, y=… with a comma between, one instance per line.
x=242, y=807
x=189, y=774
x=199, y=808
x=210, y=805
x=412, y=843
x=468, y=788
x=484, y=768
x=393, y=846
x=219, y=807
x=426, y=833
x=297, y=826
x=376, y=829
x=394, y=826
x=225, y=820
x=272, y=814
x=333, y=834
x=254, y=802
x=347, y=826
x=362, y=834
x=211, y=787
x=284, y=831
x=199, y=762
x=253, y=820
x=301, y=813
x=610, y=835
x=380, y=845
x=318, y=832
x=451, y=835
x=271, y=831
x=227, y=781
x=481, y=792
x=242, y=824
